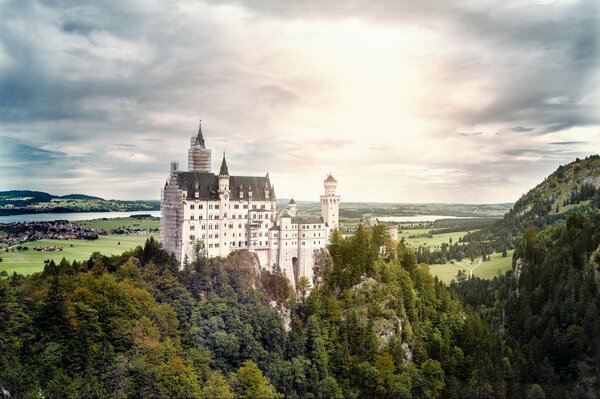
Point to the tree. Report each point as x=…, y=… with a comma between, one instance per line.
x=217, y=387
x=432, y=381
x=251, y=382
x=535, y=392
x=199, y=249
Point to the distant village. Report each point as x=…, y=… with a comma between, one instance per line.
x=17, y=233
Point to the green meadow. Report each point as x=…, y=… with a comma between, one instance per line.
x=486, y=270
x=125, y=223
x=435, y=241
x=31, y=261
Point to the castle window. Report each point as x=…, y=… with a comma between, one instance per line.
x=192, y=227
x=216, y=206
x=200, y=217
x=262, y=207
x=303, y=243
x=217, y=217
x=216, y=236
x=210, y=207
x=245, y=206
x=203, y=236
x=200, y=206
x=239, y=226
x=192, y=217
x=192, y=237
x=230, y=225
x=203, y=227
x=192, y=206
x=217, y=245
x=210, y=245
x=236, y=206
x=254, y=206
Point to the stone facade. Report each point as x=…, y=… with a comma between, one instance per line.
x=228, y=213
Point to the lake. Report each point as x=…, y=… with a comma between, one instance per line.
x=48, y=217
x=417, y=218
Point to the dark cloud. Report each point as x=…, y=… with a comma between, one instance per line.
x=469, y=134
x=567, y=142
x=521, y=129
x=20, y=155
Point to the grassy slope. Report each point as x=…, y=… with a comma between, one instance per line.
x=487, y=270
x=31, y=261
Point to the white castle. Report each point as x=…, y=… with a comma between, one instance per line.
x=228, y=213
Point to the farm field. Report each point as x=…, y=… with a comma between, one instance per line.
x=436, y=241
x=486, y=270
x=116, y=223
x=31, y=261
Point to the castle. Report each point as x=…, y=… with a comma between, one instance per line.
x=226, y=213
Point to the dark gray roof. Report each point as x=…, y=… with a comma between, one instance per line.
x=199, y=138
x=292, y=202
x=307, y=219
x=224, y=170
x=330, y=178
x=207, y=184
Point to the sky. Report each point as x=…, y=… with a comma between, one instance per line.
x=402, y=101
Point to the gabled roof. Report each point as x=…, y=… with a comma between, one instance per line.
x=207, y=185
x=292, y=202
x=307, y=219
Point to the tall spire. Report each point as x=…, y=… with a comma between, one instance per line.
x=224, y=170
x=199, y=138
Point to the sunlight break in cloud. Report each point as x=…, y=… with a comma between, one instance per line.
x=401, y=101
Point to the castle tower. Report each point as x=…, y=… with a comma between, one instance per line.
x=199, y=157
x=330, y=204
x=223, y=206
x=291, y=208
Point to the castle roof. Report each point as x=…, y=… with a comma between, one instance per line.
x=199, y=137
x=292, y=202
x=307, y=219
x=207, y=185
x=330, y=179
x=224, y=170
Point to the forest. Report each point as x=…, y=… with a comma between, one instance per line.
x=135, y=326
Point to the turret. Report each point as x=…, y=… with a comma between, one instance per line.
x=330, y=204
x=330, y=185
x=291, y=208
x=224, y=206
x=224, y=176
x=199, y=157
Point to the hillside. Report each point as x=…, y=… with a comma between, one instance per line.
x=575, y=186
x=548, y=305
x=16, y=202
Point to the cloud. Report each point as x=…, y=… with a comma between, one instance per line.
x=385, y=95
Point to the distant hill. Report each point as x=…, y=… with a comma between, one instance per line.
x=81, y=196
x=16, y=202
x=575, y=186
